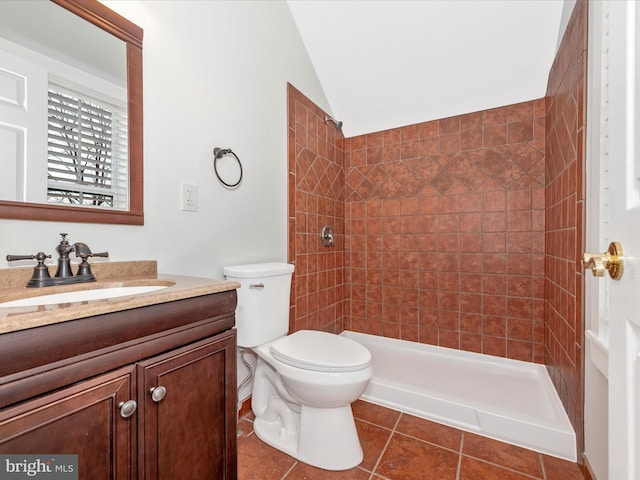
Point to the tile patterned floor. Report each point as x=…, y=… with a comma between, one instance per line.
x=398, y=446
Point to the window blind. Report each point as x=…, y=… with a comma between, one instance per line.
x=87, y=150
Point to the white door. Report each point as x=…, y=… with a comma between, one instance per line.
x=624, y=295
x=618, y=219
x=23, y=129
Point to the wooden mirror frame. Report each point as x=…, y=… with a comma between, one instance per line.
x=106, y=19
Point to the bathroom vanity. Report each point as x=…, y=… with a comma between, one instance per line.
x=140, y=386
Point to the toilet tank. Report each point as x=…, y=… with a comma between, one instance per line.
x=262, y=313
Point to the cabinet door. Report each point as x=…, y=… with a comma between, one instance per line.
x=83, y=419
x=189, y=433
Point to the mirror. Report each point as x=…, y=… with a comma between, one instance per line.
x=119, y=43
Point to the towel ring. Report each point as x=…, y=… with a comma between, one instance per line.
x=219, y=153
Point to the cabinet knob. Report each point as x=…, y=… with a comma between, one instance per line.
x=127, y=408
x=157, y=393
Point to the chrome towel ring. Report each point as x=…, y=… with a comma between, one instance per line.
x=218, y=153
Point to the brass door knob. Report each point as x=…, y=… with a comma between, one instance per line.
x=612, y=261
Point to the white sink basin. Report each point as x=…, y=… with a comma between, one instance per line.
x=82, y=296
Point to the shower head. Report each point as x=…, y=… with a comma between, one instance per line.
x=328, y=119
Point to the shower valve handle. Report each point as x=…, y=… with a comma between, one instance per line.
x=326, y=236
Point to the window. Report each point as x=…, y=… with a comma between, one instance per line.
x=87, y=149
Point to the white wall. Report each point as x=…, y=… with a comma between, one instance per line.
x=215, y=74
x=389, y=63
x=567, y=9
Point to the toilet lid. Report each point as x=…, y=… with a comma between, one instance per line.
x=321, y=352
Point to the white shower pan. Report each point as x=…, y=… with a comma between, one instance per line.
x=507, y=400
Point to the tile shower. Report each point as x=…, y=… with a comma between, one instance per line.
x=445, y=229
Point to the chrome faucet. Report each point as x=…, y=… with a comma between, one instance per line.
x=64, y=275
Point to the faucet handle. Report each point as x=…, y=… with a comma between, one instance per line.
x=83, y=251
x=40, y=256
x=13, y=258
x=40, y=271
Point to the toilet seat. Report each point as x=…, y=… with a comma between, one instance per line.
x=321, y=352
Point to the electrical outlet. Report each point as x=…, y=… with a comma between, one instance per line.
x=189, y=197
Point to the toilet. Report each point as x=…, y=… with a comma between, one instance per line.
x=305, y=382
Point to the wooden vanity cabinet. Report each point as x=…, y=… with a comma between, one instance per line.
x=185, y=433
x=177, y=363
x=83, y=419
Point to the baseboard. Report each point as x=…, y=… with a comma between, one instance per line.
x=586, y=470
x=246, y=407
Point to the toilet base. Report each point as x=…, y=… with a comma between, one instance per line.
x=327, y=437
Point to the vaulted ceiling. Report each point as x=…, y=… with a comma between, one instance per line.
x=384, y=63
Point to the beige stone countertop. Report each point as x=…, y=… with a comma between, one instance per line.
x=108, y=275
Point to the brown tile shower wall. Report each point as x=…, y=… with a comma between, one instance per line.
x=463, y=232
x=445, y=232
x=316, y=198
x=565, y=176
